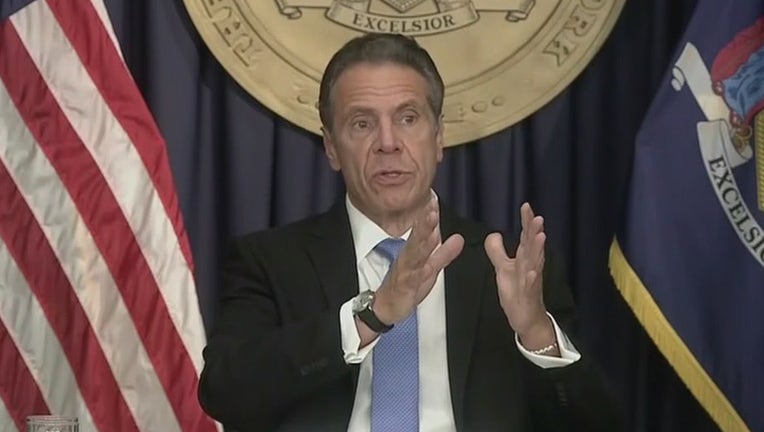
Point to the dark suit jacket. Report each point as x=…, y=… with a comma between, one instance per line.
x=274, y=360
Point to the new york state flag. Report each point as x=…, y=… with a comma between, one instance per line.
x=689, y=254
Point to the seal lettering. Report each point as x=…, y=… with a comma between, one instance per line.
x=235, y=34
x=580, y=21
x=276, y=50
x=561, y=47
x=418, y=25
x=576, y=27
x=214, y=6
x=729, y=195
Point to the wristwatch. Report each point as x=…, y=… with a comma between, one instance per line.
x=362, y=308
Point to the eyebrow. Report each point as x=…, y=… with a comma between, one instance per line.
x=409, y=103
x=363, y=109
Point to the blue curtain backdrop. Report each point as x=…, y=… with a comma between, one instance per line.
x=239, y=167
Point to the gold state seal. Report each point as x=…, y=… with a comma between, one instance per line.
x=501, y=60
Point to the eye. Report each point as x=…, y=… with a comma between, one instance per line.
x=409, y=118
x=360, y=124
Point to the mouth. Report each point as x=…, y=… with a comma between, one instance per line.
x=391, y=177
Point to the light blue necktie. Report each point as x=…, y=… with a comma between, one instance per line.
x=395, y=371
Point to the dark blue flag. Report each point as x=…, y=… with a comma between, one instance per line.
x=689, y=256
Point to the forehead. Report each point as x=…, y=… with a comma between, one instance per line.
x=377, y=82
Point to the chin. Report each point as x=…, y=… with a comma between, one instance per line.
x=401, y=203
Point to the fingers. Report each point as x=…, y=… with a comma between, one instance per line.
x=530, y=278
x=447, y=252
x=440, y=258
x=531, y=250
x=494, y=248
x=529, y=256
x=425, y=222
x=531, y=224
x=420, y=262
x=415, y=260
x=526, y=217
x=424, y=235
x=532, y=239
x=536, y=251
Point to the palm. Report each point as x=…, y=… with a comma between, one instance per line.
x=519, y=279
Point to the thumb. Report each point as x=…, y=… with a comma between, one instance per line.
x=447, y=252
x=494, y=248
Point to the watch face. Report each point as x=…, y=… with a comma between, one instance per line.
x=362, y=301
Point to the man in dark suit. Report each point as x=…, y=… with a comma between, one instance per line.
x=389, y=312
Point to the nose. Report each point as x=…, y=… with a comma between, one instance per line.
x=388, y=140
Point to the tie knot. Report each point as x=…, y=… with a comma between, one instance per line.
x=390, y=247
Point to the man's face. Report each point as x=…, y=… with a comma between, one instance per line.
x=384, y=139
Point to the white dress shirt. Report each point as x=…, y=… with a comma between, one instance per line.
x=435, y=409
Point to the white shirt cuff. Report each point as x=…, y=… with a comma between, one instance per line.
x=568, y=353
x=350, y=337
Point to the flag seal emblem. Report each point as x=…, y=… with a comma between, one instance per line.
x=731, y=137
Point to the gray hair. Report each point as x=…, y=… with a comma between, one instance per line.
x=378, y=48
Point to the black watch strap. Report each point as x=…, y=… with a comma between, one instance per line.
x=370, y=319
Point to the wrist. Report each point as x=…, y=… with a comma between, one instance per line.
x=382, y=308
x=366, y=334
x=539, y=336
x=365, y=312
x=551, y=349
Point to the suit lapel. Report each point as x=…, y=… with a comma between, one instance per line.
x=330, y=248
x=463, y=288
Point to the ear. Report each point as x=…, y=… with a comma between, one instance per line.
x=330, y=149
x=439, y=138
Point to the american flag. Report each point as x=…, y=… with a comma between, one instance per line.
x=99, y=316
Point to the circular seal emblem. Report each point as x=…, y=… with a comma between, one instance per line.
x=501, y=60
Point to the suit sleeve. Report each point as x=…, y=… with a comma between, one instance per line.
x=575, y=397
x=257, y=364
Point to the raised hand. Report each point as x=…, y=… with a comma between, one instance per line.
x=414, y=273
x=520, y=283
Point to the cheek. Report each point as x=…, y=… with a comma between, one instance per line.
x=354, y=164
x=427, y=152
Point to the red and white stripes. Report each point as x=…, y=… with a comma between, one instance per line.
x=96, y=288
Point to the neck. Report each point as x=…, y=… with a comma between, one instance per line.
x=395, y=223
x=395, y=226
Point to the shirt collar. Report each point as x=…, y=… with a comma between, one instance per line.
x=366, y=233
